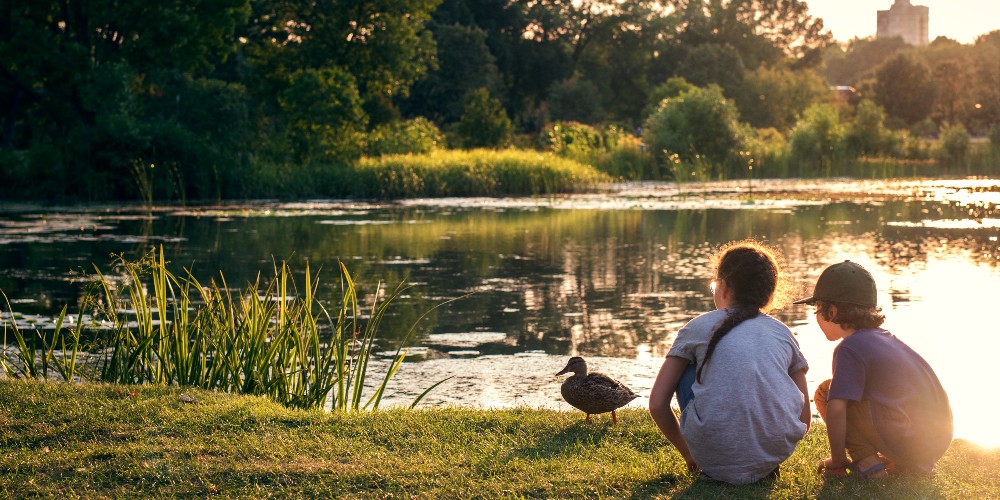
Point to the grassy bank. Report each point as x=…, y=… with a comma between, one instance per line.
x=72, y=440
x=479, y=172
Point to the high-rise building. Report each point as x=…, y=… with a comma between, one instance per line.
x=904, y=20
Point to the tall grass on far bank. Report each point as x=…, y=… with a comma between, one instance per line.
x=100, y=440
x=150, y=326
x=477, y=172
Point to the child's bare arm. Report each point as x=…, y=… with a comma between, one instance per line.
x=659, y=406
x=799, y=378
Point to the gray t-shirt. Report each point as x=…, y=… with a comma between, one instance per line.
x=744, y=419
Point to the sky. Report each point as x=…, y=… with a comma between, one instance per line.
x=961, y=20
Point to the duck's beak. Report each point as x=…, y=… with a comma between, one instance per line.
x=564, y=370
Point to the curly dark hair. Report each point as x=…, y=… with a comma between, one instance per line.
x=752, y=271
x=851, y=316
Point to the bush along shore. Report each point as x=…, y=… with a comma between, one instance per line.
x=103, y=440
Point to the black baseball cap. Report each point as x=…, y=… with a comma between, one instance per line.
x=846, y=282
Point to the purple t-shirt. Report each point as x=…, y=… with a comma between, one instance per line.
x=909, y=408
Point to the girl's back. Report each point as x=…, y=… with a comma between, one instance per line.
x=744, y=419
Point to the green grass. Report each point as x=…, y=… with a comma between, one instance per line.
x=479, y=172
x=96, y=440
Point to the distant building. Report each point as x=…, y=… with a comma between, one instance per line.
x=906, y=21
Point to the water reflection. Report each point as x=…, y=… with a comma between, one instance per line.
x=609, y=276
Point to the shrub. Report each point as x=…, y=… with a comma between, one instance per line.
x=484, y=122
x=864, y=133
x=954, y=145
x=610, y=149
x=574, y=140
x=699, y=124
x=673, y=87
x=768, y=149
x=818, y=140
x=418, y=135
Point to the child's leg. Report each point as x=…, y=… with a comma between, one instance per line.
x=820, y=398
x=861, y=440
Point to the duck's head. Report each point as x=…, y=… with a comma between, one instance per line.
x=576, y=365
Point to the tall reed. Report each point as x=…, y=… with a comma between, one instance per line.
x=266, y=339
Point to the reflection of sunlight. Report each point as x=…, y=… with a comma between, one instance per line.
x=951, y=224
x=949, y=319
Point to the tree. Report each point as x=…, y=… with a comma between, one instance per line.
x=954, y=148
x=713, y=63
x=484, y=122
x=322, y=115
x=464, y=64
x=860, y=59
x=776, y=97
x=383, y=44
x=762, y=31
x=864, y=134
x=93, y=77
x=952, y=97
x=698, y=123
x=985, y=91
x=904, y=86
x=818, y=139
x=673, y=87
x=575, y=100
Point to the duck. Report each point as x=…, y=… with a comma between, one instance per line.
x=593, y=393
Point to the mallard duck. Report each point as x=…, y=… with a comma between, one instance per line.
x=593, y=393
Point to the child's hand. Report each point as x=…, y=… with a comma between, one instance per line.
x=692, y=466
x=830, y=469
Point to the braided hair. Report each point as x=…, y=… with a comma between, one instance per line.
x=751, y=272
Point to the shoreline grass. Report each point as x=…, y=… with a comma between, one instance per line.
x=477, y=172
x=100, y=440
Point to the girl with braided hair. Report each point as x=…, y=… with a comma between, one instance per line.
x=738, y=373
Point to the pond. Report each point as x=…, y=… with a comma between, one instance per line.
x=610, y=276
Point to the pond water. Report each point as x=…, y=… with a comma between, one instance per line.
x=610, y=276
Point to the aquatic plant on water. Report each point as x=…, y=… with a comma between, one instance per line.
x=269, y=339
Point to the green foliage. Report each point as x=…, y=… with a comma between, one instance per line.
x=699, y=124
x=575, y=100
x=994, y=135
x=817, y=142
x=713, y=63
x=480, y=172
x=864, y=135
x=905, y=89
x=777, y=97
x=323, y=115
x=954, y=145
x=418, y=136
x=464, y=63
x=769, y=150
x=673, y=87
x=484, y=122
x=609, y=149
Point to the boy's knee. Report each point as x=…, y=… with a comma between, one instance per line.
x=822, y=391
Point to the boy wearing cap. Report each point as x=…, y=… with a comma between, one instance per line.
x=884, y=404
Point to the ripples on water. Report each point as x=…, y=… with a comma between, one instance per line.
x=610, y=276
